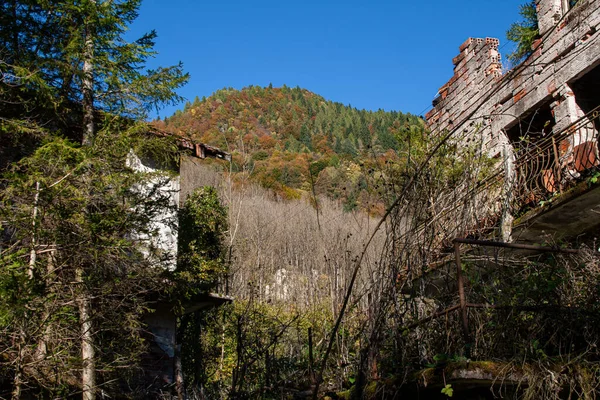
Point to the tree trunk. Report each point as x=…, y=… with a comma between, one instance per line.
x=88, y=373
x=33, y=251
x=88, y=84
x=18, y=379
x=183, y=324
x=42, y=348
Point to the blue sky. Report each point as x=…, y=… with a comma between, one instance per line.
x=392, y=55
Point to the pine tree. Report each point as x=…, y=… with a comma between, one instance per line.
x=72, y=212
x=305, y=137
x=67, y=63
x=523, y=33
x=75, y=53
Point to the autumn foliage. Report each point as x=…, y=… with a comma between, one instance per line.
x=297, y=143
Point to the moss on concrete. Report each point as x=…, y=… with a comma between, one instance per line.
x=369, y=392
x=484, y=371
x=577, y=190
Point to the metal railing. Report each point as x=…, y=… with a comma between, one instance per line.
x=554, y=163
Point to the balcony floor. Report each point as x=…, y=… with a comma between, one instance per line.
x=573, y=216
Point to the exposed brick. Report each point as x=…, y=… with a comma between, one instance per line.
x=551, y=88
x=585, y=156
x=519, y=95
x=478, y=84
x=458, y=58
x=562, y=25
x=429, y=115
x=492, y=42
x=563, y=147
x=465, y=45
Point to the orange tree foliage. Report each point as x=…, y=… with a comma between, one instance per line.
x=293, y=141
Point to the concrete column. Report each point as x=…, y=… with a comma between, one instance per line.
x=508, y=158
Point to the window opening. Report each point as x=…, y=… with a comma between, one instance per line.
x=585, y=138
x=537, y=165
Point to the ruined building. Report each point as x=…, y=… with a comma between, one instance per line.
x=161, y=366
x=524, y=296
x=540, y=118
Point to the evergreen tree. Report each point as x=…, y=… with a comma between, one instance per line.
x=74, y=54
x=523, y=33
x=66, y=65
x=305, y=137
x=72, y=213
x=203, y=223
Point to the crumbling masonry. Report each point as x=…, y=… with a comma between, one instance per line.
x=541, y=118
x=567, y=52
x=540, y=121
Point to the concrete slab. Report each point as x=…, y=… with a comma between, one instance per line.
x=574, y=214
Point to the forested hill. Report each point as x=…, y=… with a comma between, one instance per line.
x=293, y=141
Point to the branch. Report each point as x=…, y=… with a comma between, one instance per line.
x=362, y=255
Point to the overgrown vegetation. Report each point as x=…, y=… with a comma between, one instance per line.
x=523, y=33
x=69, y=211
x=202, y=226
x=332, y=229
x=80, y=251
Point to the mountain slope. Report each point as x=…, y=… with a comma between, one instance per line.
x=294, y=141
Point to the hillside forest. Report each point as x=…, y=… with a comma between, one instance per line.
x=319, y=261
x=296, y=143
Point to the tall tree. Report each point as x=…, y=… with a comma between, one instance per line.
x=77, y=52
x=202, y=227
x=67, y=70
x=80, y=248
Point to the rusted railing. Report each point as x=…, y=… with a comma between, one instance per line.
x=463, y=303
x=534, y=172
x=554, y=163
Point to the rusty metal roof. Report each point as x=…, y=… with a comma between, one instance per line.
x=200, y=150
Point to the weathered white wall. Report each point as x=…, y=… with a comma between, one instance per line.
x=162, y=247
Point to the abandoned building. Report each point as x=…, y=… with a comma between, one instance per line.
x=540, y=118
x=540, y=122
x=160, y=364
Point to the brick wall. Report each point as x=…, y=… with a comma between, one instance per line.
x=480, y=101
